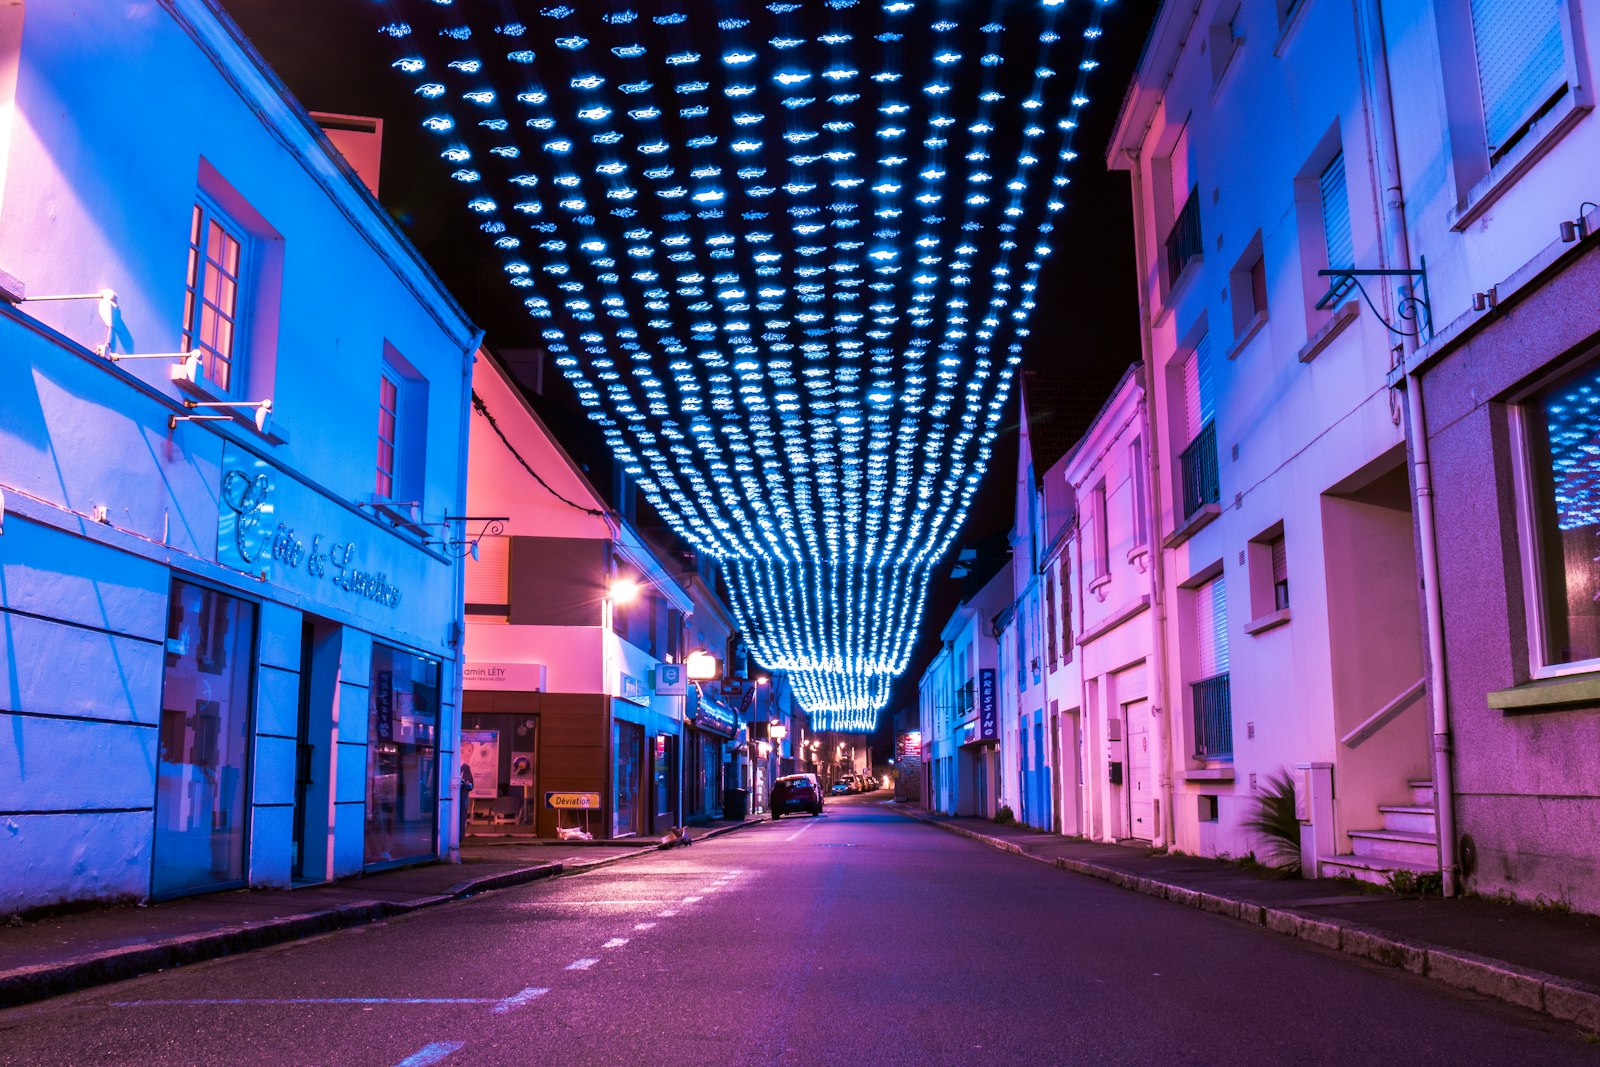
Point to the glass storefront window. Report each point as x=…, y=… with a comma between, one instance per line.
x=628, y=740
x=1564, y=431
x=204, y=742
x=402, y=757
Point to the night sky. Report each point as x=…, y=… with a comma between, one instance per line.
x=332, y=58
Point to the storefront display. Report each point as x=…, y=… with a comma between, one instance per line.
x=629, y=747
x=402, y=756
x=203, y=745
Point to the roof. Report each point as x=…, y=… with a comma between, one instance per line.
x=1059, y=410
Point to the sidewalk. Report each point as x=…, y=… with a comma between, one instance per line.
x=1542, y=959
x=51, y=956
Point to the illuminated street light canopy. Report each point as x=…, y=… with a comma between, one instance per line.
x=785, y=253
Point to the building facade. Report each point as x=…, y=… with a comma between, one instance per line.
x=232, y=427
x=1123, y=788
x=1278, y=460
x=575, y=642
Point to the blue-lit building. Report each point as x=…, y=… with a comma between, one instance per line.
x=232, y=403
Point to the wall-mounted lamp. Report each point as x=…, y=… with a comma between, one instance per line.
x=108, y=310
x=1486, y=300
x=624, y=590
x=180, y=360
x=703, y=666
x=1577, y=229
x=263, y=410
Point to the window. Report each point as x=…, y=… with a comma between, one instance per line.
x=212, y=303
x=388, y=427
x=1141, y=510
x=1213, y=712
x=1050, y=619
x=402, y=431
x=1100, y=531
x=1562, y=423
x=402, y=757
x=1197, y=464
x=1335, y=203
x=1521, y=64
x=1066, y=612
x=1183, y=240
x=1269, y=577
x=1226, y=36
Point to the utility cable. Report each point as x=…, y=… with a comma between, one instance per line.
x=483, y=409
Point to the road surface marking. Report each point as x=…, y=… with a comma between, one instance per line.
x=302, y=1000
x=644, y=926
x=669, y=913
x=800, y=831
x=691, y=900
x=517, y=1000
x=615, y=942
x=430, y=1054
x=581, y=965
x=589, y=903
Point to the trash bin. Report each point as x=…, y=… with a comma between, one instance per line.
x=735, y=804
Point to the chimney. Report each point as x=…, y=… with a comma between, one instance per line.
x=359, y=140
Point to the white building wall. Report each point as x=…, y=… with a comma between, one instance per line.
x=107, y=502
x=1303, y=420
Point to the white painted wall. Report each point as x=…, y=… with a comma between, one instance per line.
x=98, y=195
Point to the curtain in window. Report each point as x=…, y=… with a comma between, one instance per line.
x=1521, y=61
x=1211, y=629
x=1336, y=215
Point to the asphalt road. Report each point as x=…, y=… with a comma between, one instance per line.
x=858, y=938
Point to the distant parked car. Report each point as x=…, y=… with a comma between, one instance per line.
x=796, y=792
x=840, y=788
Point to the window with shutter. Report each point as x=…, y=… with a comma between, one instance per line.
x=487, y=577
x=1211, y=630
x=1280, y=575
x=1192, y=420
x=1336, y=214
x=1521, y=63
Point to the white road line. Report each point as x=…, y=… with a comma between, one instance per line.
x=669, y=913
x=212, y=1001
x=644, y=926
x=593, y=903
x=615, y=942
x=691, y=900
x=517, y=1000
x=429, y=1054
x=581, y=965
x=800, y=831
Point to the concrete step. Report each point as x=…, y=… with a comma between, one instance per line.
x=1371, y=869
x=1409, y=818
x=1421, y=791
x=1395, y=845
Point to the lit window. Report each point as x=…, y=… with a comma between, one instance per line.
x=388, y=431
x=212, y=304
x=1563, y=430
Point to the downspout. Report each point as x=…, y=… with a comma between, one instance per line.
x=1087, y=766
x=1158, y=648
x=458, y=630
x=1396, y=247
x=1158, y=596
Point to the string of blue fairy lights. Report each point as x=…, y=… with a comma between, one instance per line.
x=785, y=253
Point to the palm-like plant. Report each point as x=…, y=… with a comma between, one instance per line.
x=1274, y=819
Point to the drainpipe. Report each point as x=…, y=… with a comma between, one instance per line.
x=458, y=633
x=1396, y=248
x=1158, y=648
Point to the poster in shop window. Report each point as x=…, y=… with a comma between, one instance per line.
x=522, y=768
x=480, y=750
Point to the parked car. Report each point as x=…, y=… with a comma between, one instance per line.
x=796, y=792
x=840, y=788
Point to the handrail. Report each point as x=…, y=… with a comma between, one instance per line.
x=1381, y=717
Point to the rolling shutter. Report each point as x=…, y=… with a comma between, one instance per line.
x=1336, y=215
x=487, y=577
x=1521, y=61
x=1211, y=629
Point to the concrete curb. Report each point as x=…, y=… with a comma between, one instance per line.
x=25, y=985
x=1559, y=998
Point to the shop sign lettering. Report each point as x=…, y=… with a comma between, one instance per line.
x=252, y=538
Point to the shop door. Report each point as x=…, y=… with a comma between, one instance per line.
x=201, y=809
x=1141, y=807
